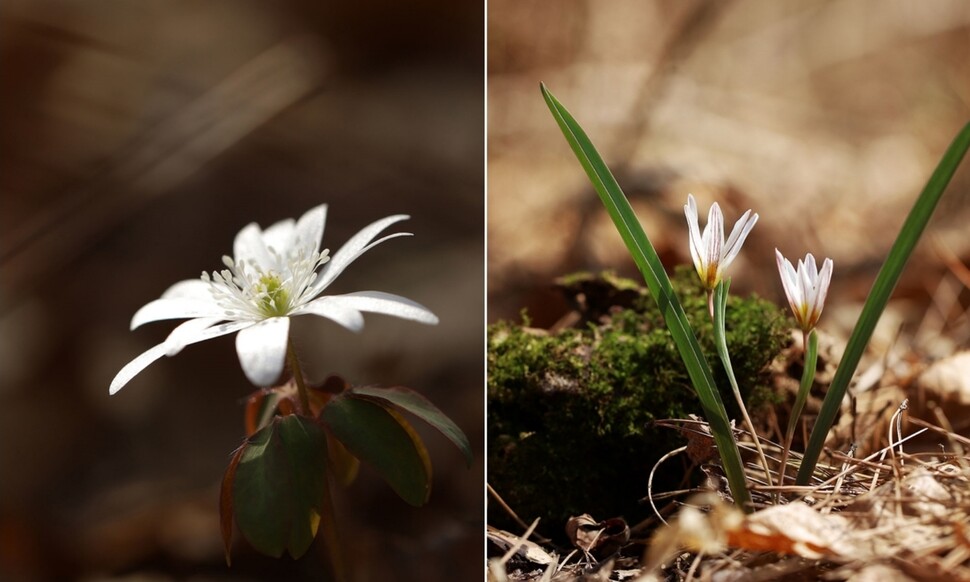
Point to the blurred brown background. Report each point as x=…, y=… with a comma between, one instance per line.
x=825, y=117
x=137, y=138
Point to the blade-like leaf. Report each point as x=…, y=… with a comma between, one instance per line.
x=279, y=492
x=376, y=435
x=418, y=405
x=883, y=287
x=653, y=272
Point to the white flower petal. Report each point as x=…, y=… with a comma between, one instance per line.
x=179, y=308
x=789, y=280
x=178, y=339
x=738, y=234
x=714, y=233
x=812, y=268
x=345, y=315
x=189, y=332
x=249, y=246
x=280, y=236
x=183, y=335
x=822, y=286
x=385, y=303
x=189, y=289
x=262, y=350
x=805, y=277
x=309, y=229
x=353, y=248
x=696, y=243
x=135, y=366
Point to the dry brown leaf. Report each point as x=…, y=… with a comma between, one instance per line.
x=794, y=529
x=529, y=551
x=947, y=382
x=599, y=539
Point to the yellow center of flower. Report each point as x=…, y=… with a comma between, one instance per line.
x=248, y=290
x=274, y=299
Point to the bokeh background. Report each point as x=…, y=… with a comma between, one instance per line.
x=825, y=117
x=138, y=137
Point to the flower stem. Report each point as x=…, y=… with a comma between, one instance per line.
x=298, y=376
x=720, y=340
x=810, y=345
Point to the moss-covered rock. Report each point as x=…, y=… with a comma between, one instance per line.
x=570, y=412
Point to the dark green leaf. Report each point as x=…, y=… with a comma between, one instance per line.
x=343, y=465
x=280, y=486
x=421, y=407
x=886, y=281
x=376, y=435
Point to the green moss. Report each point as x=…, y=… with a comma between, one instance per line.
x=570, y=413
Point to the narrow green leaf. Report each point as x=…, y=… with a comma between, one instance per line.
x=376, y=435
x=886, y=281
x=656, y=278
x=279, y=492
x=418, y=405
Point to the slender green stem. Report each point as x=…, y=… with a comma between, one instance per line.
x=720, y=339
x=298, y=376
x=808, y=378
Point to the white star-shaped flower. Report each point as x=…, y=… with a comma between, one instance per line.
x=276, y=274
x=805, y=287
x=710, y=253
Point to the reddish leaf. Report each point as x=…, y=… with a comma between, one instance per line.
x=225, y=502
x=418, y=405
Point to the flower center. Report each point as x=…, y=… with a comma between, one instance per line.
x=248, y=291
x=274, y=299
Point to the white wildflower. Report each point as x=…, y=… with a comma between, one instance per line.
x=805, y=287
x=274, y=274
x=711, y=254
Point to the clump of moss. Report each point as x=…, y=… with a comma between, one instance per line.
x=570, y=412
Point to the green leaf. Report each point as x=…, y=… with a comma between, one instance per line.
x=645, y=256
x=343, y=465
x=418, y=405
x=381, y=437
x=280, y=489
x=886, y=281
